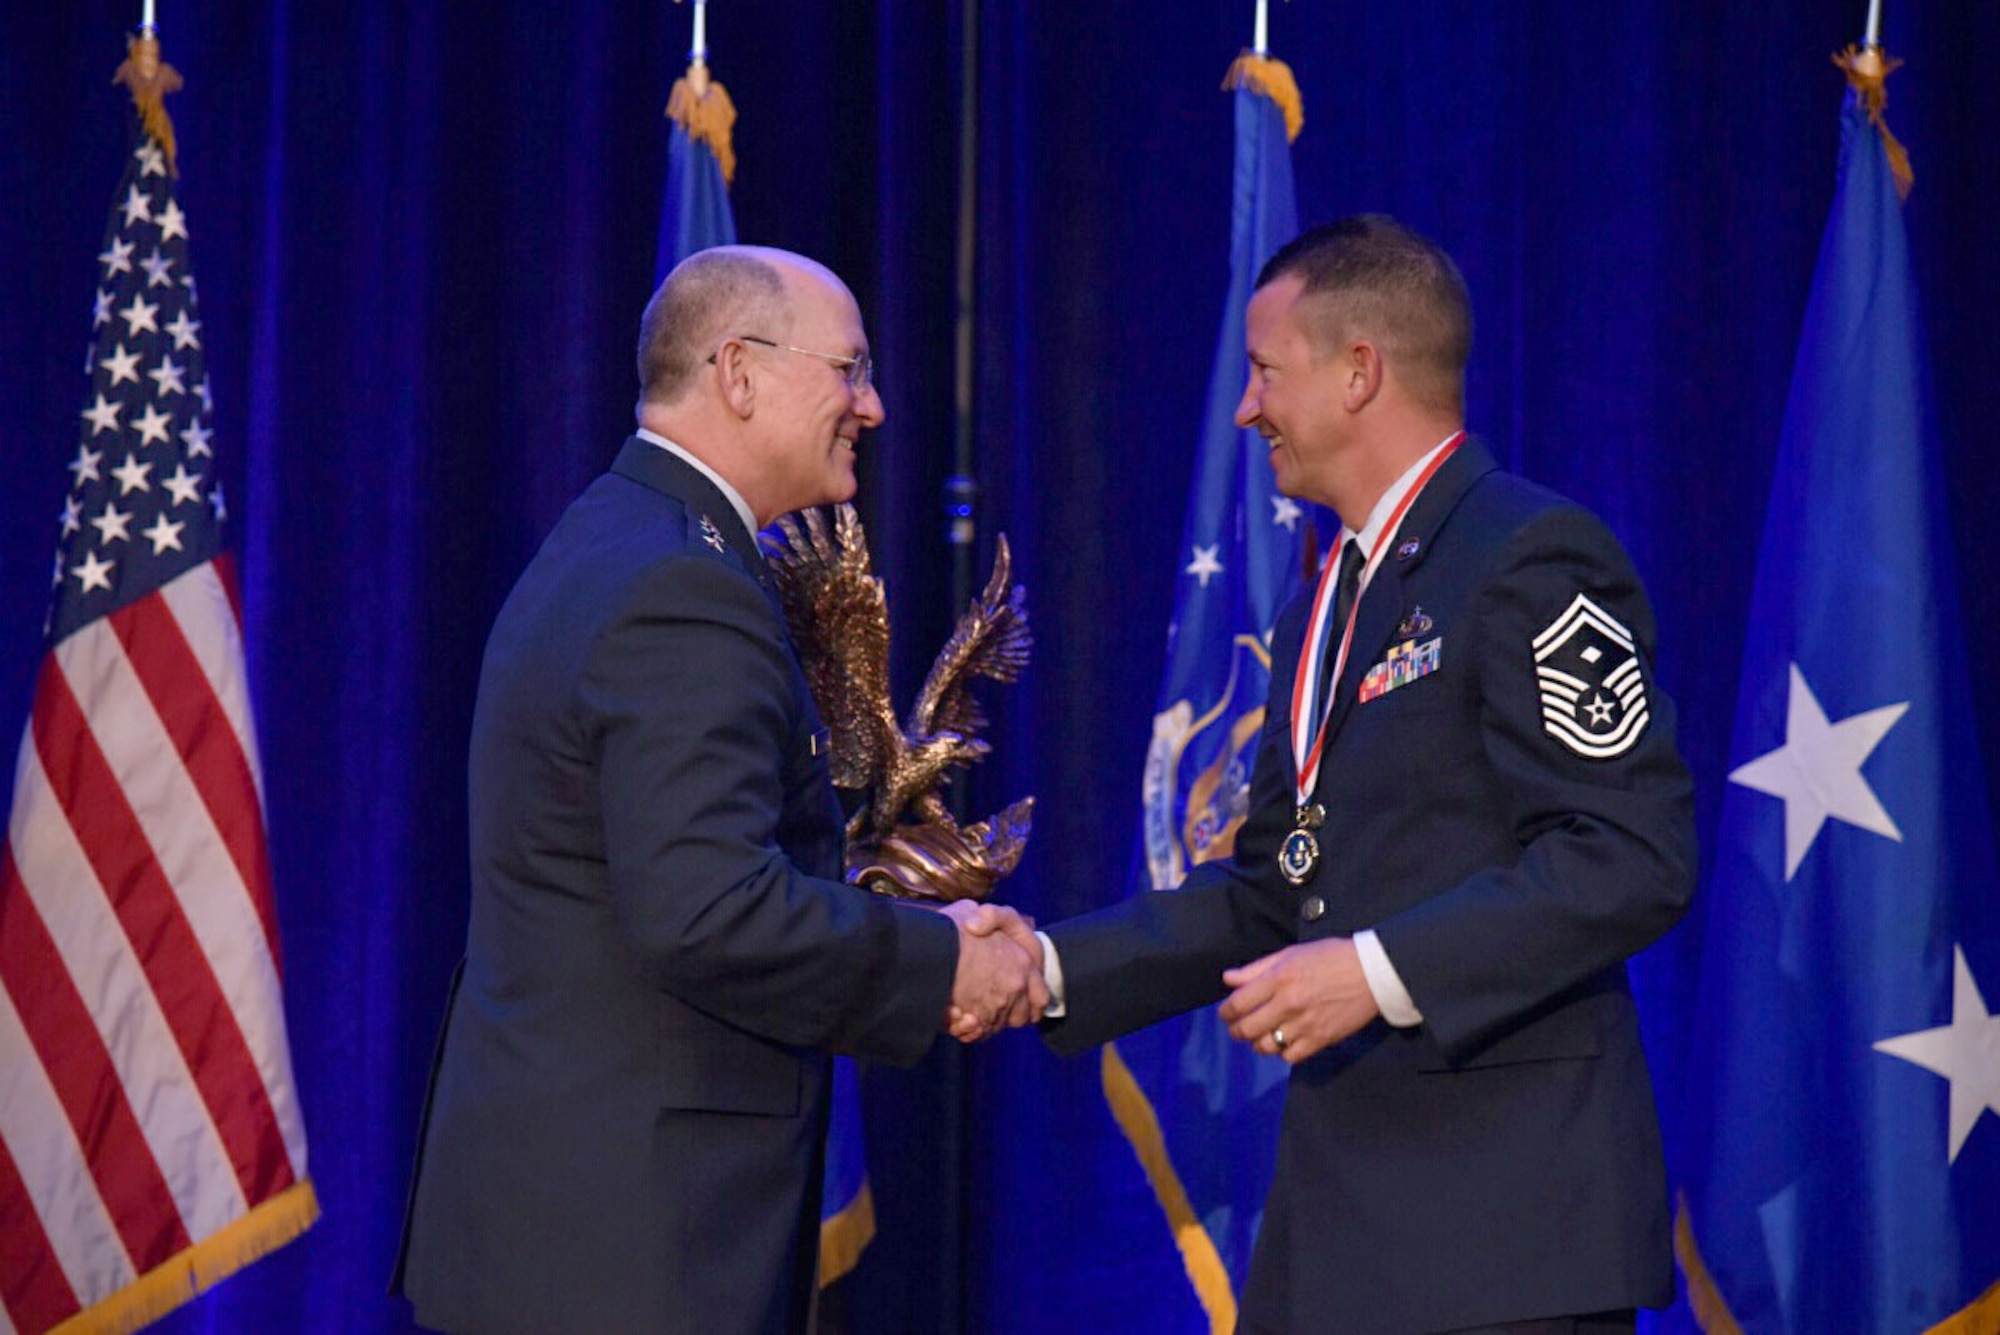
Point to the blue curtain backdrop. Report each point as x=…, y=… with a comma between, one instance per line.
x=424, y=238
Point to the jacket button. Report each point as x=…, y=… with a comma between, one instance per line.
x=1314, y=909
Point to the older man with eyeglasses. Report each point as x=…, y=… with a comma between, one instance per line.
x=627, y=1118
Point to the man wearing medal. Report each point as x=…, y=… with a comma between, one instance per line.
x=1467, y=812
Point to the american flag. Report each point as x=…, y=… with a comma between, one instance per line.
x=151, y=1141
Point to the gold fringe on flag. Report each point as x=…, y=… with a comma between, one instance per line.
x=1868, y=69
x=1141, y=1125
x=701, y=106
x=150, y=80
x=1711, y=1313
x=215, y=1258
x=1980, y=1317
x=843, y=1237
x=1272, y=78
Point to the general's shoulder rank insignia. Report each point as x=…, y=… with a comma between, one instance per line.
x=712, y=535
x=1593, y=696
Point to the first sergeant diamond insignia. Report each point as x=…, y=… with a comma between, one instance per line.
x=1593, y=695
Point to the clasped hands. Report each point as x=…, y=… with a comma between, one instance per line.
x=999, y=982
x=1291, y=1003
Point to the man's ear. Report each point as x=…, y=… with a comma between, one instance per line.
x=1361, y=373
x=733, y=379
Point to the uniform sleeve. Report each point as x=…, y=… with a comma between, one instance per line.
x=691, y=693
x=1155, y=955
x=1580, y=742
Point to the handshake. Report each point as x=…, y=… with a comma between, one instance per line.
x=1291, y=1003
x=999, y=983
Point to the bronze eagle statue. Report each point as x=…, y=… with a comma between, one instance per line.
x=903, y=841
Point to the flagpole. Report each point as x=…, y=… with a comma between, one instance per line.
x=1260, y=41
x=1874, y=37
x=698, y=49
x=146, y=18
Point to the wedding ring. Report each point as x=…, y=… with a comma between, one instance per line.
x=1278, y=1039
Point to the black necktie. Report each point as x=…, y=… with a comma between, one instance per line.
x=1343, y=605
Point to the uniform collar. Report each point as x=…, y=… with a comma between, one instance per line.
x=729, y=493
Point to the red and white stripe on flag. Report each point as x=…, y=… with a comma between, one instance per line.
x=151, y=1141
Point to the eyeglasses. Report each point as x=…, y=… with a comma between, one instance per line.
x=859, y=372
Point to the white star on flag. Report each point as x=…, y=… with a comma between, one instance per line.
x=102, y=415
x=1818, y=771
x=118, y=259
x=85, y=465
x=173, y=223
x=131, y=476
x=196, y=439
x=168, y=377
x=93, y=573
x=138, y=206
x=156, y=266
x=1965, y=1052
x=100, y=309
x=152, y=425
x=1207, y=563
x=152, y=162
x=139, y=315
x=72, y=516
x=123, y=366
x=163, y=534
x=183, y=330
x=1286, y=512
x=111, y=525
x=186, y=488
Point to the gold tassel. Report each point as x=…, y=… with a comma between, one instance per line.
x=1711, y=1313
x=150, y=80
x=701, y=106
x=1868, y=69
x=1272, y=78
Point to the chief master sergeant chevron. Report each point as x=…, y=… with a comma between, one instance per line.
x=1447, y=860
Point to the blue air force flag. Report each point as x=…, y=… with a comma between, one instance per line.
x=1843, y=1170
x=1201, y=1110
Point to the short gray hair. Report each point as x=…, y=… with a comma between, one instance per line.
x=710, y=296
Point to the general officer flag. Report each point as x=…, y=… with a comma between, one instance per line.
x=1200, y=1110
x=151, y=1141
x=1844, y=1173
x=701, y=162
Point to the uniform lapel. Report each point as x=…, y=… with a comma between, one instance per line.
x=1382, y=601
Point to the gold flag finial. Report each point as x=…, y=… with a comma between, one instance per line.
x=1868, y=69
x=701, y=106
x=150, y=80
x=1272, y=78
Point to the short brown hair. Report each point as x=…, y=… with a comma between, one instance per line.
x=1378, y=279
x=710, y=296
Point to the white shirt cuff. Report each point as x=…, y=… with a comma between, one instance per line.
x=1391, y=997
x=1052, y=975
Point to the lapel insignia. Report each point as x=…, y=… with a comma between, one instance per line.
x=712, y=535
x=1417, y=624
x=1406, y=663
x=1409, y=548
x=1593, y=696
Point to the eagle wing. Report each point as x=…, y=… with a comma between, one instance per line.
x=840, y=623
x=991, y=640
